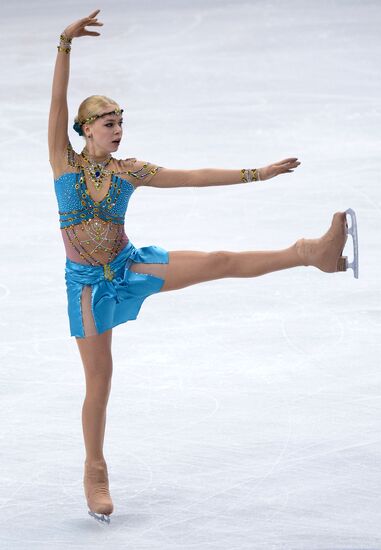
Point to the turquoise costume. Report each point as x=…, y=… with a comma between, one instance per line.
x=117, y=293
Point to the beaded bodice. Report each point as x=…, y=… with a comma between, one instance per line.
x=93, y=231
x=76, y=205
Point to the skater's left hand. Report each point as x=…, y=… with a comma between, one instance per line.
x=282, y=167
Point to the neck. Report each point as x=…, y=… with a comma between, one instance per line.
x=97, y=156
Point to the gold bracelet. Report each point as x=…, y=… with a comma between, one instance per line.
x=255, y=174
x=65, y=38
x=61, y=49
x=65, y=43
x=249, y=175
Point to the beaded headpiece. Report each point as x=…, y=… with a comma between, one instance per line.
x=78, y=124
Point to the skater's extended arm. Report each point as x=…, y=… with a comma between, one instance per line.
x=58, y=116
x=204, y=177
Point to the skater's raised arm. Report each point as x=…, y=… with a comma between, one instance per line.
x=58, y=116
x=204, y=177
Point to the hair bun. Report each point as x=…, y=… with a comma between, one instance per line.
x=77, y=127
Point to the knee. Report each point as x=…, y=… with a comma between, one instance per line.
x=100, y=367
x=221, y=262
x=98, y=390
x=98, y=375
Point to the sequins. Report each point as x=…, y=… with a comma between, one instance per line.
x=75, y=204
x=70, y=155
x=142, y=172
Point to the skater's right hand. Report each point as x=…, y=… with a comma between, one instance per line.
x=78, y=28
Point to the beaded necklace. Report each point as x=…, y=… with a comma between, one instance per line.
x=97, y=170
x=134, y=173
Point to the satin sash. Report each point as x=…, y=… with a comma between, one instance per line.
x=117, y=292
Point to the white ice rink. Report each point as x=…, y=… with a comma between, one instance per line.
x=244, y=413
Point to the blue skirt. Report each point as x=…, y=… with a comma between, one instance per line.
x=117, y=293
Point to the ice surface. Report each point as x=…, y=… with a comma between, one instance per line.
x=244, y=413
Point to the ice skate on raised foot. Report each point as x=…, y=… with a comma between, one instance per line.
x=326, y=253
x=352, y=230
x=97, y=493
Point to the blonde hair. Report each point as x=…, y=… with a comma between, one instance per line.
x=93, y=105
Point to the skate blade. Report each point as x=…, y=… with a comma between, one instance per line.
x=101, y=518
x=352, y=230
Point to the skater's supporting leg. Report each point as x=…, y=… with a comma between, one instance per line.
x=97, y=361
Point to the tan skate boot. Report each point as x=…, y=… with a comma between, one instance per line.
x=326, y=253
x=97, y=493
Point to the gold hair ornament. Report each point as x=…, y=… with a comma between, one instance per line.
x=77, y=126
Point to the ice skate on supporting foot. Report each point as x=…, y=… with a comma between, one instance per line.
x=97, y=491
x=326, y=253
x=101, y=518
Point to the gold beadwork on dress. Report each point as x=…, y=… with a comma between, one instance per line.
x=109, y=274
x=94, y=231
x=96, y=170
x=103, y=238
x=139, y=174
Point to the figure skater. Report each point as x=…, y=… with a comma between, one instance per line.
x=107, y=277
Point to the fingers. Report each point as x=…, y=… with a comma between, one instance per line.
x=285, y=166
x=90, y=17
x=91, y=22
x=287, y=161
x=284, y=172
x=287, y=169
x=94, y=13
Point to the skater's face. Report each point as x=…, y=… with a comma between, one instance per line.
x=106, y=131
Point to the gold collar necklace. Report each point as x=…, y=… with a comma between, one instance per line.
x=96, y=170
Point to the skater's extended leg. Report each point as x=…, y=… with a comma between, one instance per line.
x=188, y=267
x=254, y=264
